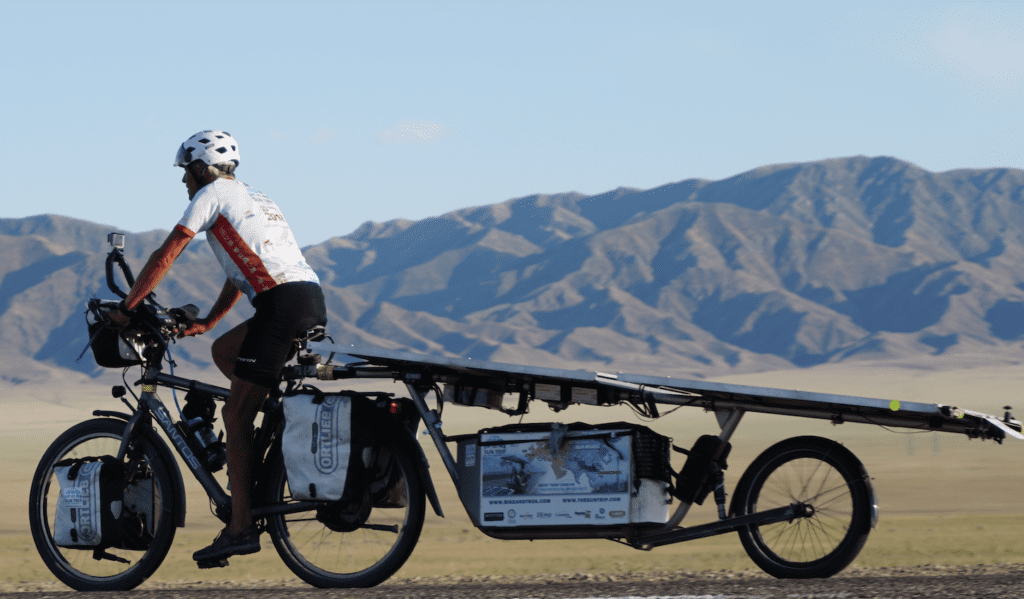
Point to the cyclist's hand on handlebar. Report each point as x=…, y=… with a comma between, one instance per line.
x=197, y=327
x=118, y=320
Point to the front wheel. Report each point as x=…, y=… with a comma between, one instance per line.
x=150, y=493
x=831, y=481
x=361, y=540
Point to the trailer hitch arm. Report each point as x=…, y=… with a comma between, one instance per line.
x=782, y=514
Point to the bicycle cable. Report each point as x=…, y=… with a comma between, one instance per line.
x=174, y=392
x=124, y=378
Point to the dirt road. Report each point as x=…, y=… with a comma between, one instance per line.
x=937, y=582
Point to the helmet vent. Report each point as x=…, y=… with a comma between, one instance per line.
x=222, y=150
x=204, y=141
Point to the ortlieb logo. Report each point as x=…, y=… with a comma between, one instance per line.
x=84, y=516
x=324, y=430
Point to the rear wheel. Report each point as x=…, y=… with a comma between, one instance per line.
x=149, y=498
x=818, y=473
x=358, y=541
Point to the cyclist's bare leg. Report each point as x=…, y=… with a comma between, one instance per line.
x=239, y=413
x=225, y=350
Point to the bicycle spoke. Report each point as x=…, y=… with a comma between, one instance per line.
x=813, y=482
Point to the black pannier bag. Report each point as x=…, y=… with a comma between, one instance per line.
x=696, y=479
x=138, y=517
x=385, y=483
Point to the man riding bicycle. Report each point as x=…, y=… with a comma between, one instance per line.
x=257, y=250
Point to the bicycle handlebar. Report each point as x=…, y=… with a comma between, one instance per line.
x=151, y=317
x=116, y=255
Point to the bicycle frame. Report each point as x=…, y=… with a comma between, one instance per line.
x=152, y=407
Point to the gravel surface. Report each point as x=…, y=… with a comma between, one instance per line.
x=939, y=582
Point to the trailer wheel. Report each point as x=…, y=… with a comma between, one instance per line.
x=815, y=472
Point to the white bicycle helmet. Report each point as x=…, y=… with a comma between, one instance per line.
x=211, y=146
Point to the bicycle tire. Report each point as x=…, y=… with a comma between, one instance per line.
x=818, y=472
x=76, y=567
x=327, y=557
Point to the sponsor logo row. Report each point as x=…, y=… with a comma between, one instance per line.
x=539, y=518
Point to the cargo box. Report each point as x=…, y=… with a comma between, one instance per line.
x=564, y=476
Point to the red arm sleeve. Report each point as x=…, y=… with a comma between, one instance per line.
x=158, y=265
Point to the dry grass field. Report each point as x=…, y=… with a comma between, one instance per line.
x=944, y=499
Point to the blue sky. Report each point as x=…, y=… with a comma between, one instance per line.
x=348, y=112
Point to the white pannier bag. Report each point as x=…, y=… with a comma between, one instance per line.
x=88, y=511
x=317, y=443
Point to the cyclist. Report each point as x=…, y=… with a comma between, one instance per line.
x=257, y=250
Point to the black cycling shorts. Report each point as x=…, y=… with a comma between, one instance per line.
x=282, y=314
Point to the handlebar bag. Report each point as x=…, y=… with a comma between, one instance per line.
x=90, y=505
x=317, y=443
x=110, y=348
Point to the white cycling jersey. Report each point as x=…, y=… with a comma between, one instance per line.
x=248, y=235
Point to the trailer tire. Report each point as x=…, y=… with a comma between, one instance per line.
x=822, y=474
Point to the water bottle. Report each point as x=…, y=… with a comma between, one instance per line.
x=211, y=449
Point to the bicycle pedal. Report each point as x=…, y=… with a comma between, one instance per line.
x=207, y=564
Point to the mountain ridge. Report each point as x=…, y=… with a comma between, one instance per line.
x=781, y=266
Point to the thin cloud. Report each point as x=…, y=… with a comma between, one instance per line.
x=413, y=132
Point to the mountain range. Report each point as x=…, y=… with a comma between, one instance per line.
x=782, y=266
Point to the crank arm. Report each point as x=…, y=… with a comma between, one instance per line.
x=285, y=508
x=308, y=506
x=100, y=554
